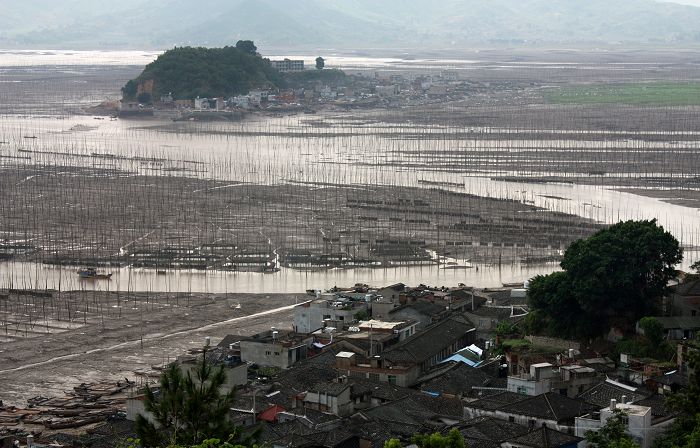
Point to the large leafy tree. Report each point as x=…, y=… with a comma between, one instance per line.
x=610, y=278
x=188, y=409
x=247, y=46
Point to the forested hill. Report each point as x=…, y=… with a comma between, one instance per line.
x=188, y=72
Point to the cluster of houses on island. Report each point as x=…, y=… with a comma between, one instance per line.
x=363, y=88
x=360, y=366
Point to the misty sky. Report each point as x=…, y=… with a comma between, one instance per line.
x=686, y=2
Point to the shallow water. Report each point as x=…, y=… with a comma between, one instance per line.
x=335, y=149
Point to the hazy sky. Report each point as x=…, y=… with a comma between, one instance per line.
x=685, y=2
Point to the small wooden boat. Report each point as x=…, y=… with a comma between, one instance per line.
x=91, y=273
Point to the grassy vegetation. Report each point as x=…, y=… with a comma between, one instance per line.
x=653, y=93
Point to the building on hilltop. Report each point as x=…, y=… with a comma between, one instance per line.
x=288, y=65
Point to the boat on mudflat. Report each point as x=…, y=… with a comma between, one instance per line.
x=91, y=273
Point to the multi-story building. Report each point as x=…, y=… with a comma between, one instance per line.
x=288, y=65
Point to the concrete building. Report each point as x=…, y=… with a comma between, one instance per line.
x=638, y=420
x=544, y=377
x=330, y=310
x=275, y=348
x=330, y=397
x=387, y=91
x=288, y=65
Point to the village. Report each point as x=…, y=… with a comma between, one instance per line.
x=360, y=89
x=361, y=365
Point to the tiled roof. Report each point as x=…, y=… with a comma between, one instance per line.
x=680, y=322
x=424, y=307
x=691, y=288
x=329, y=387
x=657, y=403
x=457, y=380
x=416, y=409
x=425, y=344
x=490, y=429
x=497, y=400
x=601, y=394
x=545, y=438
x=550, y=406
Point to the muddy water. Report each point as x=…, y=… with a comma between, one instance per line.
x=268, y=150
x=31, y=275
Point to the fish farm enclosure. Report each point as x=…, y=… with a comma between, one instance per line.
x=526, y=161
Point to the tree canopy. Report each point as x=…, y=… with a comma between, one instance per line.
x=320, y=63
x=453, y=439
x=188, y=409
x=609, y=279
x=188, y=72
x=247, y=46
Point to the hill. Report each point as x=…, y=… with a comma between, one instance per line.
x=188, y=72
x=346, y=24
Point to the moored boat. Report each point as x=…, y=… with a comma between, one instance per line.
x=91, y=273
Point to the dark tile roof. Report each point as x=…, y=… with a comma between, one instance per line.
x=423, y=307
x=426, y=343
x=545, y=438
x=416, y=409
x=497, y=400
x=550, y=406
x=330, y=388
x=601, y=394
x=457, y=380
x=691, y=288
x=380, y=390
x=672, y=378
x=489, y=311
x=680, y=322
x=657, y=403
x=490, y=429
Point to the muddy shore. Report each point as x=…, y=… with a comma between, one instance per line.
x=110, y=337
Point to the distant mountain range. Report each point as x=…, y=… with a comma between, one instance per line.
x=343, y=24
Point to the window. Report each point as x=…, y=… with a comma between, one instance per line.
x=391, y=379
x=374, y=376
x=511, y=419
x=341, y=317
x=326, y=316
x=268, y=353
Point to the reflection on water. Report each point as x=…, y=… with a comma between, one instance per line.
x=30, y=275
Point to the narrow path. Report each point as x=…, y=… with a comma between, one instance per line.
x=165, y=336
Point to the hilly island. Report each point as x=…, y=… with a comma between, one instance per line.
x=190, y=72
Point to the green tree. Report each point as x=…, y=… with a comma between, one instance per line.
x=320, y=63
x=453, y=439
x=188, y=409
x=144, y=98
x=653, y=330
x=130, y=89
x=612, y=435
x=610, y=278
x=696, y=267
x=392, y=443
x=247, y=46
